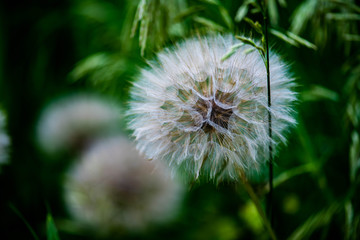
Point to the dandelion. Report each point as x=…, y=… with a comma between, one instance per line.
x=206, y=116
x=71, y=122
x=114, y=188
x=4, y=140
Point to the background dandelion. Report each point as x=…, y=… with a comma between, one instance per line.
x=206, y=115
x=114, y=189
x=72, y=122
x=4, y=140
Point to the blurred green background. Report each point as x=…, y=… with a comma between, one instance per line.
x=51, y=48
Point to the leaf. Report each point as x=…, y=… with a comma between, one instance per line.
x=317, y=92
x=282, y=3
x=273, y=12
x=223, y=12
x=306, y=168
x=354, y=155
x=209, y=23
x=139, y=15
x=352, y=37
x=250, y=42
x=17, y=212
x=51, y=231
x=284, y=37
x=214, y=2
x=320, y=219
x=226, y=17
x=349, y=219
x=250, y=50
x=348, y=5
x=96, y=11
x=302, y=41
x=89, y=64
x=343, y=16
x=188, y=12
x=231, y=51
x=241, y=12
x=144, y=27
x=255, y=25
x=302, y=15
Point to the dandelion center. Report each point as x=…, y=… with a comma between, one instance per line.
x=210, y=111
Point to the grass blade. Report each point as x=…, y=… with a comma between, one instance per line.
x=17, y=212
x=209, y=23
x=320, y=219
x=51, y=230
x=284, y=37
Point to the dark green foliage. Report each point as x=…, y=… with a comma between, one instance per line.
x=49, y=48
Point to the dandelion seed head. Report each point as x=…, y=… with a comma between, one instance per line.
x=4, y=140
x=206, y=116
x=70, y=123
x=114, y=188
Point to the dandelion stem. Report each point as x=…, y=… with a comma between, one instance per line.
x=257, y=204
x=267, y=64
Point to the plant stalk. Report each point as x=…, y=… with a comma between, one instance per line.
x=249, y=189
x=267, y=64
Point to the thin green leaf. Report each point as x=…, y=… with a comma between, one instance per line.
x=89, y=64
x=223, y=12
x=343, y=16
x=255, y=25
x=352, y=37
x=209, y=23
x=354, y=155
x=317, y=92
x=144, y=28
x=249, y=50
x=282, y=3
x=273, y=12
x=255, y=11
x=139, y=15
x=320, y=219
x=302, y=15
x=188, y=12
x=348, y=5
x=250, y=42
x=231, y=51
x=255, y=4
x=226, y=17
x=306, y=168
x=241, y=12
x=17, y=212
x=302, y=41
x=349, y=219
x=51, y=230
x=214, y=2
x=284, y=37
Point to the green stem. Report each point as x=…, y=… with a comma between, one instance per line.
x=267, y=64
x=254, y=198
x=17, y=212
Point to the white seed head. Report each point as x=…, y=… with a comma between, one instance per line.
x=206, y=116
x=4, y=140
x=114, y=188
x=71, y=122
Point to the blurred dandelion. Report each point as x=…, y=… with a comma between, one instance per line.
x=70, y=123
x=208, y=116
x=4, y=140
x=114, y=188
